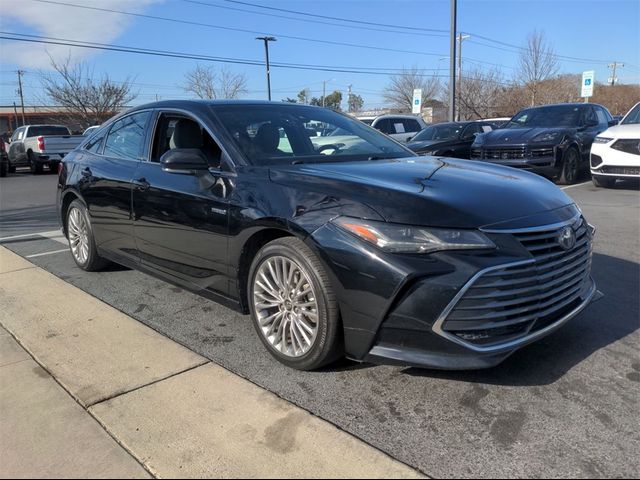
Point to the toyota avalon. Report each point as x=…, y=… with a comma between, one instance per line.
x=358, y=247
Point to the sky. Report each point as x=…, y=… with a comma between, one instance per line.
x=371, y=36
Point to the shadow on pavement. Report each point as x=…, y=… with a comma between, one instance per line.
x=604, y=322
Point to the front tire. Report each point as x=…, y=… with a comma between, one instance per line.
x=570, y=167
x=4, y=169
x=293, y=306
x=81, y=241
x=603, y=182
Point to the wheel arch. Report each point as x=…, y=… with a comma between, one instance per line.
x=68, y=197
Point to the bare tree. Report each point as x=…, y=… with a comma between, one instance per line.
x=399, y=91
x=480, y=94
x=87, y=99
x=538, y=62
x=209, y=84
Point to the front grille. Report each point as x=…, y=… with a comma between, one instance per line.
x=612, y=170
x=512, y=302
x=504, y=153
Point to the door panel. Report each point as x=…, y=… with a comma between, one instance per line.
x=181, y=225
x=105, y=185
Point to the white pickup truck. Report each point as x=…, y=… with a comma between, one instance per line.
x=35, y=146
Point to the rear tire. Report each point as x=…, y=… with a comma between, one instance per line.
x=12, y=169
x=603, y=182
x=81, y=241
x=4, y=169
x=293, y=306
x=570, y=167
x=36, y=167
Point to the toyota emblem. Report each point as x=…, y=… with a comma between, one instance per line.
x=567, y=238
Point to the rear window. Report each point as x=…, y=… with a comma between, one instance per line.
x=40, y=131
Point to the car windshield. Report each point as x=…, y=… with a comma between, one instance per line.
x=633, y=117
x=46, y=130
x=556, y=116
x=280, y=134
x=439, y=132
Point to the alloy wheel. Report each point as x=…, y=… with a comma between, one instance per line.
x=78, y=232
x=286, y=306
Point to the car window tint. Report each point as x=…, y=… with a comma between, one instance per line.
x=47, y=130
x=126, y=137
x=95, y=144
x=385, y=125
x=602, y=117
x=411, y=125
x=167, y=138
x=398, y=127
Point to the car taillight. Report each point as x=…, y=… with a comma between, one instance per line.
x=41, y=143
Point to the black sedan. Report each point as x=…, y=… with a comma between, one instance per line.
x=552, y=140
x=358, y=247
x=451, y=139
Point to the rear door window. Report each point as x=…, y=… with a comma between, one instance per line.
x=385, y=125
x=126, y=138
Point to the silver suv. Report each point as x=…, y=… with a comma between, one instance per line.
x=399, y=127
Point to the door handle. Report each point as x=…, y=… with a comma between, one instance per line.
x=87, y=172
x=141, y=184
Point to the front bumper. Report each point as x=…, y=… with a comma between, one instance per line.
x=608, y=162
x=403, y=309
x=545, y=160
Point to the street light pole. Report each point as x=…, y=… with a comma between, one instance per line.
x=452, y=61
x=266, y=41
x=461, y=38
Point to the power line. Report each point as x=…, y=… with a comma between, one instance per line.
x=332, y=23
x=206, y=58
x=517, y=48
x=241, y=30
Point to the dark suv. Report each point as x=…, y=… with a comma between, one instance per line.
x=552, y=140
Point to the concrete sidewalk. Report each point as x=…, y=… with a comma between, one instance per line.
x=101, y=395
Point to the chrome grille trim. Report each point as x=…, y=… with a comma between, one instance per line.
x=506, y=303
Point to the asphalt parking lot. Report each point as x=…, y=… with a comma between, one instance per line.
x=567, y=406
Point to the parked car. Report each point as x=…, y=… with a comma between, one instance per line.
x=615, y=153
x=552, y=140
x=370, y=251
x=452, y=139
x=399, y=127
x=4, y=159
x=35, y=146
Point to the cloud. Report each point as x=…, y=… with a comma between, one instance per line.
x=61, y=21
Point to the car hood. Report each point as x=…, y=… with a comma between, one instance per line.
x=433, y=191
x=631, y=130
x=511, y=136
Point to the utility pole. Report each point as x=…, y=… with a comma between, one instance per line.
x=266, y=41
x=461, y=38
x=349, y=99
x=324, y=91
x=452, y=61
x=20, y=73
x=613, y=66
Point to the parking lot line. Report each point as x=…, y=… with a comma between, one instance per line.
x=47, y=253
x=51, y=234
x=576, y=185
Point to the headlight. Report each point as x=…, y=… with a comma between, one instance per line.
x=397, y=238
x=602, y=140
x=547, y=137
x=628, y=146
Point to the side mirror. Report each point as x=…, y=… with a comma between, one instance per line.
x=613, y=123
x=186, y=161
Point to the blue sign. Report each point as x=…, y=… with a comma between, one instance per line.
x=587, y=81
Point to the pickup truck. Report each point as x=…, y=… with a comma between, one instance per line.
x=38, y=145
